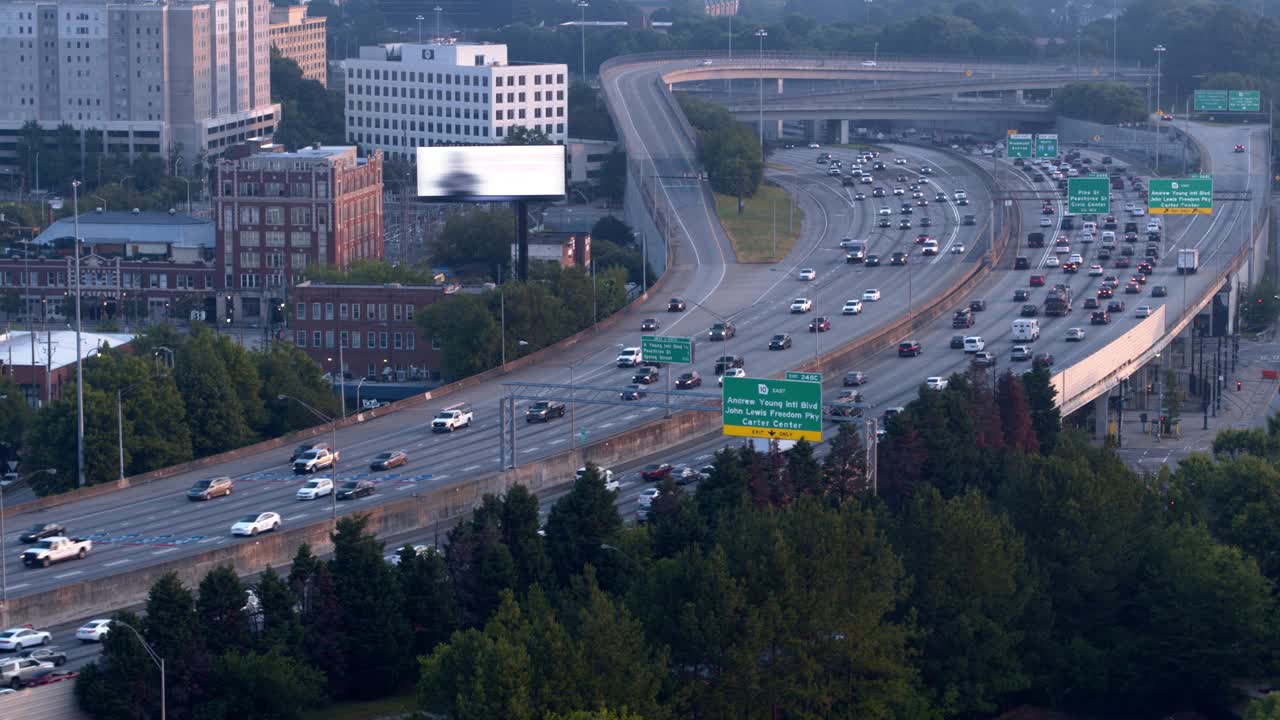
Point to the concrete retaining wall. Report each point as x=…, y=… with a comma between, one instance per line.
x=56, y=701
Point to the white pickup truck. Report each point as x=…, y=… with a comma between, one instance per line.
x=450, y=419
x=314, y=460
x=56, y=549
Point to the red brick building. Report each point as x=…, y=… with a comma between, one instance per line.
x=278, y=212
x=370, y=329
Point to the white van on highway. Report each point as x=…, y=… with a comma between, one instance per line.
x=1026, y=330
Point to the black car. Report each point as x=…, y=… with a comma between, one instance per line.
x=645, y=376
x=1021, y=295
x=1091, y=303
x=781, y=341
x=1100, y=317
x=353, y=489
x=388, y=460
x=968, y=220
x=40, y=531
x=1159, y=291
x=691, y=379
x=907, y=209
x=854, y=378
x=1042, y=360
x=1030, y=310
x=822, y=323
x=724, y=362
x=872, y=261
x=977, y=305
x=675, y=305
x=904, y=224
x=884, y=222
x=926, y=222
x=633, y=392
x=898, y=258
x=957, y=342
x=1115, y=306
x=648, y=325
x=909, y=348
x=1021, y=263
x=544, y=410
x=722, y=331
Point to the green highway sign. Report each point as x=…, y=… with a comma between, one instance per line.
x=1046, y=146
x=1180, y=196
x=1018, y=146
x=1244, y=101
x=1210, y=100
x=666, y=349
x=1088, y=195
x=804, y=376
x=772, y=409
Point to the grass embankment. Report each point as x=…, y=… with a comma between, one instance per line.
x=370, y=710
x=752, y=232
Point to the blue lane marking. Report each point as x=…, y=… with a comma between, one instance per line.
x=152, y=540
x=187, y=540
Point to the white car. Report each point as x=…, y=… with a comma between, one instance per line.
x=870, y=295
x=1075, y=258
x=1139, y=211
x=974, y=343
x=808, y=274
x=93, y=631
x=1095, y=270
x=851, y=307
x=1045, y=222
x=801, y=305
x=253, y=524
x=1075, y=334
x=869, y=63
x=629, y=357
x=647, y=496
x=731, y=372
x=1142, y=311
x=898, y=191
x=315, y=488
x=394, y=558
x=930, y=247
x=957, y=249
x=1130, y=206
x=609, y=482
x=899, y=161
x=1153, y=226
x=814, y=146
x=1051, y=261
x=1061, y=249
x=15, y=639
x=936, y=383
x=884, y=211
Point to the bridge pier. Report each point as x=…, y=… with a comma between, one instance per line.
x=779, y=86
x=1018, y=97
x=844, y=132
x=1102, y=420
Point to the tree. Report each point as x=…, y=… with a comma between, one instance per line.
x=244, y=378
x=271, y=686
x=122, y=683
x=724, y=493
x=1045, y=416
x=1100, y=102
x=612, y=229
x=324, y=638
x=1015, y=414
x=1267, y=708
x=15, y=414
x=844, y=470
x=970, y=645
x=220, y=609
x=280, y=629
x=284, y=369
x=310, y=113
x=624, y=670
x=481, y=674
x=580, y=523
x=430, y=606
x=466, y=332
x=371, y=611
x=522, y=135
x=173, y=630
x=481, y=568
x=213, y=407
x=803, y=469
x=481, y=237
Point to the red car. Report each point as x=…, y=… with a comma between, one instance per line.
x=1122, y=262
x=656, y=471
x=820, y=324
x=1037, y=281
x=922, y=238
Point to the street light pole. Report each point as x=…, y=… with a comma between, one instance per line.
x=582, y=7
x=1159, y=51
x=333, y=447
x=762, y=34
x=155, y=658
x=438, y=10
x=420, y=19
x=75, y=195
x=1115, y=35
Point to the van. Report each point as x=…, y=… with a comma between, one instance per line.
x=1090, y=227
x=1026, y=330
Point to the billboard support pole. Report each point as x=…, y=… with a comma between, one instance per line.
x=522, y=239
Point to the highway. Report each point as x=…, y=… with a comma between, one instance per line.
x=155, y=523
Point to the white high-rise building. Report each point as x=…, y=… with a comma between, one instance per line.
x=144, y=76
x=405, y=96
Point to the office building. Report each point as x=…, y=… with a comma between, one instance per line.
x=278, y=212
x=405, y=96
x=375, y=325
x=135, y=76
x=302, y=40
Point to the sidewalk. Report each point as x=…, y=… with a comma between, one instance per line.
x=1249, y=407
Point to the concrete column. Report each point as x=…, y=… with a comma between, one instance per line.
x=1233, y=297
x=844, y=132
x=1102, y=416
x=1017, y=96
x=810, y=130
x=777, y=132
x=779, y=86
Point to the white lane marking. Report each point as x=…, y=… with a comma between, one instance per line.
x=606, y=425
x=469, y=468
x=291, y=518
x=439, y=477
x=632, y=416
x=19, y=586
x=164, y=551
x=73, y=573
x=402, y=488
x=114, y=563
x=556, y=442
x=529, y=449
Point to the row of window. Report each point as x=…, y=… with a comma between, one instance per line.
x=423, y=93
x=378, y=139
x=352, y=341
x=410, y=76
x=431, y=111
x=105, y=278
x=351, y=311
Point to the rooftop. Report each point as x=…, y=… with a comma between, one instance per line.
x=61, y=344
x=119, y=226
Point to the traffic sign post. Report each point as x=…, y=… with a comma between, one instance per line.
x=666, y=349
x=1088, y=195
x=772, y=409
x=1046, y=146
x=1180, y=196
x=1210, y=100
x=1244, y=101
x=1018, y=145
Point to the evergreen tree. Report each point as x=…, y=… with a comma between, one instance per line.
x=371, y=611
x=220, y=609
x=271, y=686
x=803, y=471
x=579, y=524
x=173, y=630
x=520, y=525
x=725, y=491
x=122, y=683
x=480, y=568
x=325, y=639
x=1045, y=416
x=430, y=606
x=213, y=407
x=1015, y=414
x=844, y=470
x=281, y=628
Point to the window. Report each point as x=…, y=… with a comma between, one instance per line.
x=396, y=312
x=372, y=340
x=435, y=342
x=301, y=337
x=315, y=338
x=328, y=311
x=300, y=216
x=409, y=340
x=355, y=311
x=355, y=339
x=315, y=311
x=249, y=216
x=250, y=237
x=343, y=338
x=275, y=238
x=275, y=216
x=328, y=338
x=398, y=341
x=343, y=311
x=382, y=313
x=408, y=312
x=382, y=340
x=369, y=311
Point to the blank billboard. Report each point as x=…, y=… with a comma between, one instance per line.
x=491, y=172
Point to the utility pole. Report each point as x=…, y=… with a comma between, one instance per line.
x=1159, y=51
x=761, y=33
x=75, y=199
